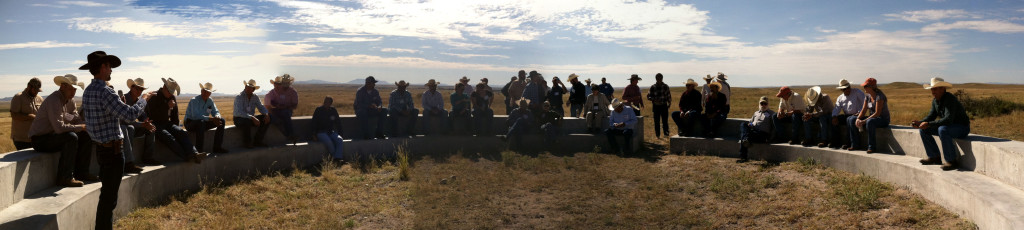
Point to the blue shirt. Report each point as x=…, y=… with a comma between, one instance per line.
x=606, y=89
x=199, y=109
x=534, y=93
x=400, y=101
x=626, y=116
x=246, y=105
x=104, y=110
x=366, y=97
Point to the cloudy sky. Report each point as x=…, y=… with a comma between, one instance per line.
x=757, y=43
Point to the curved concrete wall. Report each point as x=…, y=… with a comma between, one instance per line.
x=987, y=189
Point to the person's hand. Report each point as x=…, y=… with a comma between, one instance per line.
x=32, y=116
x=915, y=124
x=807, y=117
x=254, y=121
x=924, y=125
x=835, y=121
x=266, y=120
x=215, y=121
x=860, y=123
x=148, y=126
x=146, y=96
x=82, y=127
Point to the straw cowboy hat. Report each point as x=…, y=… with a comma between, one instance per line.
x=843, y=84
x=635, y=77
x=208, y=87
x=251, y=83
x=722, y=76
x=283, y=79
x=715, y=84
x=784, y=91
x=68, y=79
x=432, y=82
x=171, y=85
x=615, y=103
x=98, y=58
x=939, y=82
x=572, y=76
x=764, y=99
x=137, y=82
x=691, y=82
x=709, y=77
x=588, y=80
x=401, y=83
x=812, y=95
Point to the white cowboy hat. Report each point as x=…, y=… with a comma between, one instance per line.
x=285, y=79
x=68, y=79
x=719, y=85
x=843, y=84
x=572, y=76
x=939, y=82
x=691, y=82
x=708, y=77
x=722, y=76
x=812, y=95
x=137, y=82
x=251, y=83
x=171, y=85
x=432, y=82
x=208, y=87
x=615, y=103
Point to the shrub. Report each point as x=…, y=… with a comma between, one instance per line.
x=986, y=107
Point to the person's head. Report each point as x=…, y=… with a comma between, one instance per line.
x=707, y=79
x=714, y=87
x=250, y=86
x=67, y=85
x=844, y=86
x=171, y=88
x=370, y=82
x=68, y=91
x=481, y=87
x=604, y=80
x=328, y=100
x=100, y=65
x=459, y=88
x=937, y=92
x=691, y=84
x=618, y=105
x=547, y=106
x=938, y=87
x=135, y=87
x=555, y=80
x=658, y=77
x=464, y=80
x=594, y=91
x=784, y=93
x=401, y=85
x=870, y=85
x=633, y=79
x=762, y=104
x=165, y=92
x=34, y=87
x=432, y=85
x=206, y=90
x=522, y=75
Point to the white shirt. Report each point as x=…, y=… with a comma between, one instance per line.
x=849, y=105
x=795, y=102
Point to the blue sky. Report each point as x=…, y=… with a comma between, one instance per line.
x=756, y=43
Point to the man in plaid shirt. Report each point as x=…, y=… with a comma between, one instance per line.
x=660, y=98
x=103, y=112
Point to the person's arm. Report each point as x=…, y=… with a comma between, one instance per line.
x=293, y=99
x=837, y=107
x=192, y=111
x=863, y=110
x=174, y=113
x=879, y=106
x=17, y=111
x=57, y=121
x=213, y=109
x=114, y=106
x=932, y=113
x=259, y=106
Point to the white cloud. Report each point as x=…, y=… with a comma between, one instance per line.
x=992, y=26
x=399, y=50
x=48, y=5
x=823, y=30
x=792, y=38
x=929, y=15
x=476, y=55
x=345, y=39
x=43, y=44
x=218, y=29
x=83, y=3
x=370, y=61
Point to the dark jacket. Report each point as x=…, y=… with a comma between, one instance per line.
x=689, y=101
x=325, y=119
x=715, y=105
x=160, y=113
x=950, y=109
x=578, y=94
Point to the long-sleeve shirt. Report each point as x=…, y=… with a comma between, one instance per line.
x=795, y=102
x=201, y=110
x=554, y=96
x=401, y=101
x=763, y=121
x=21, y=107
x=460, y=102
x=55, y=115
x=578, y=94
x=632, y=95
x=821, y=108
x=104, y=110
x=325, y=119
x=137, y=120
x=588, y=90
x=715, y=105
x=365, y=98
x=727, y=91
x=516, y=90
x=481, y=100
x=551, y=117
x=849, y=105
x=287, y=99
x=627, y=116
x=432, y=100
x=160, y=112
x=600, y=100
x=247, y=104
x=949, y=108
x=659, y=94
x=504, y=91
x=606, y=89
x=690, y=101
x=535, y=93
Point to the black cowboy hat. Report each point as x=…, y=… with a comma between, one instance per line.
x=100, y=57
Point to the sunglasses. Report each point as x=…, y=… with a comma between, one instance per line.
x=764, y=103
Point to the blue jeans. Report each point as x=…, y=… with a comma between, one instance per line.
x=946, y=134
x=797, y=124
x=684, y=125
x=711, y=124
x=575, y=109
x=519, y=129
x=551, y=132
x=199, y=128
x=129, y=138
x=364, y=118
x=660, y=114
x=752, y=135
x=824, y=124
x=282, y=118
x=333, y=143
x=434, y=124
x=176, y=139
x=872, y=124
x=75, y=152
x=111, y=163
x=397, y=117
x=483, y=120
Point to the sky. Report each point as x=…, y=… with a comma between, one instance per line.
x=755, y=43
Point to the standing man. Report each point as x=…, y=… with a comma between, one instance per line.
x=201, y=115
x=534, y=93
x=725, y=90
x=246, y=104
x=508, y=97
x=632, y=94
x=368, y=106
x=516, y=91
x=104, y=112
x=554, y=96
x=847, y=107
x=705, y=90
x=791, y=110
x=954, y=123
x=689, y=109
x=577, y=96
x=402, y=108
x=434, y=114
x=660, y=98
x=282, y=101
x=819, y=106
x=606, y=89
x=162, y=110
x=621, y=123
x=24, y=106
x=59, y=127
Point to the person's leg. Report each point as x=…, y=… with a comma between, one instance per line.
x=809, y=130
x=716, y=123
x=656, y=114
x=745, y=131
x=411, y=129
x=780, y=131
x=364, y=124
x=931, y=149
x=853, y=131
x=19, y=145
x=394, y=121
x=83, y=155
x=488, y=122
x=66, y=144
x=946, y=135
x=244, y=124
x=289, y=127
x=824, y=130
x=197, y=128
x=338, y=148
x=165, y=136
x=627, y=136
x=218, y=136
x=111, y=168
x=591, y=120
x=797, y=125
x=126, y=145
x=677, y=118
x=150, y=144
x=325, y=138
x=261, y=131
x=382, y=117
x=182, y=138
x=872, y=125
x=612, y=142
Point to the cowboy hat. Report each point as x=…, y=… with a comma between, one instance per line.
x=635, y=77
x=464, y=78
x=171, y=86
x=432, y=82
x=484, y=80
x=401, y=83
x=764, y=99
x=843, y=84
x=588, y=81
x=722, y=76
x=615, y=103
x=251, y=83
x=68, y=79
x=784, y=91
x=523, y=100
x=939, y=82
x=572, y=76
x=869, y=82
x=812, y=95
x=283, y=79
x=370, y=79
x=691, y=82
x=716, y=84
x=708, y=77
x=208, y=87
x=98, y=58
x=137, y=82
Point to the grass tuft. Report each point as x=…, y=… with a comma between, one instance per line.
x=403, y=163
x=858, y=192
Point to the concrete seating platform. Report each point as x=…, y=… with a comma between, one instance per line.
x=987, y=188
x=29, y=198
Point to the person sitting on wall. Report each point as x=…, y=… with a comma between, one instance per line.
x=368, y=105
x=162, y=110
x=59, y=127
x=460, y=113
x=515, y=91
x=483, y=116
x=402, y=109
x=845, y=112
x=621, y=122
x=138, y=127
x=24, y=106
x=550, y=124
x=282, y=101
x=327, y=127
x=246, y=105
x=819, y=106
x=953, y=123
x=791, y=110
x=201, y=115
x=519, y=123
x=759, y=129
x=874, y=115
x=689, y=109
x=597, y=110
x=714, y=111
x=434, y=114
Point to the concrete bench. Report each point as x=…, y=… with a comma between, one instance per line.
x=987, y=189
x=29, y=199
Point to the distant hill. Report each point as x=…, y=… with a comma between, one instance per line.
x=315, y=82
x=360, y=81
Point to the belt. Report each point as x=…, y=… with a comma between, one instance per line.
x=109, y=144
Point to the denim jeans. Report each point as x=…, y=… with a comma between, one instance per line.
x=824, y=123
x=199, y=127
x=660, y=113
x=148, y=138
x=282, y=118
x=333, y=143
x=397, y=118
x=853, y=131
x=365, y=117
x=684, y=125
x=434, y=124
x=796, y=125
x=627, y=135
x=575, y=109
x=111, y=163
x=176, y=139
x=519, y=129
x=19, y=145
x=946, y=134
x=245, y=124
x=752, y=135
x=75, y=152
x=835, y=130
x=483, y=120
x=872, y=124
